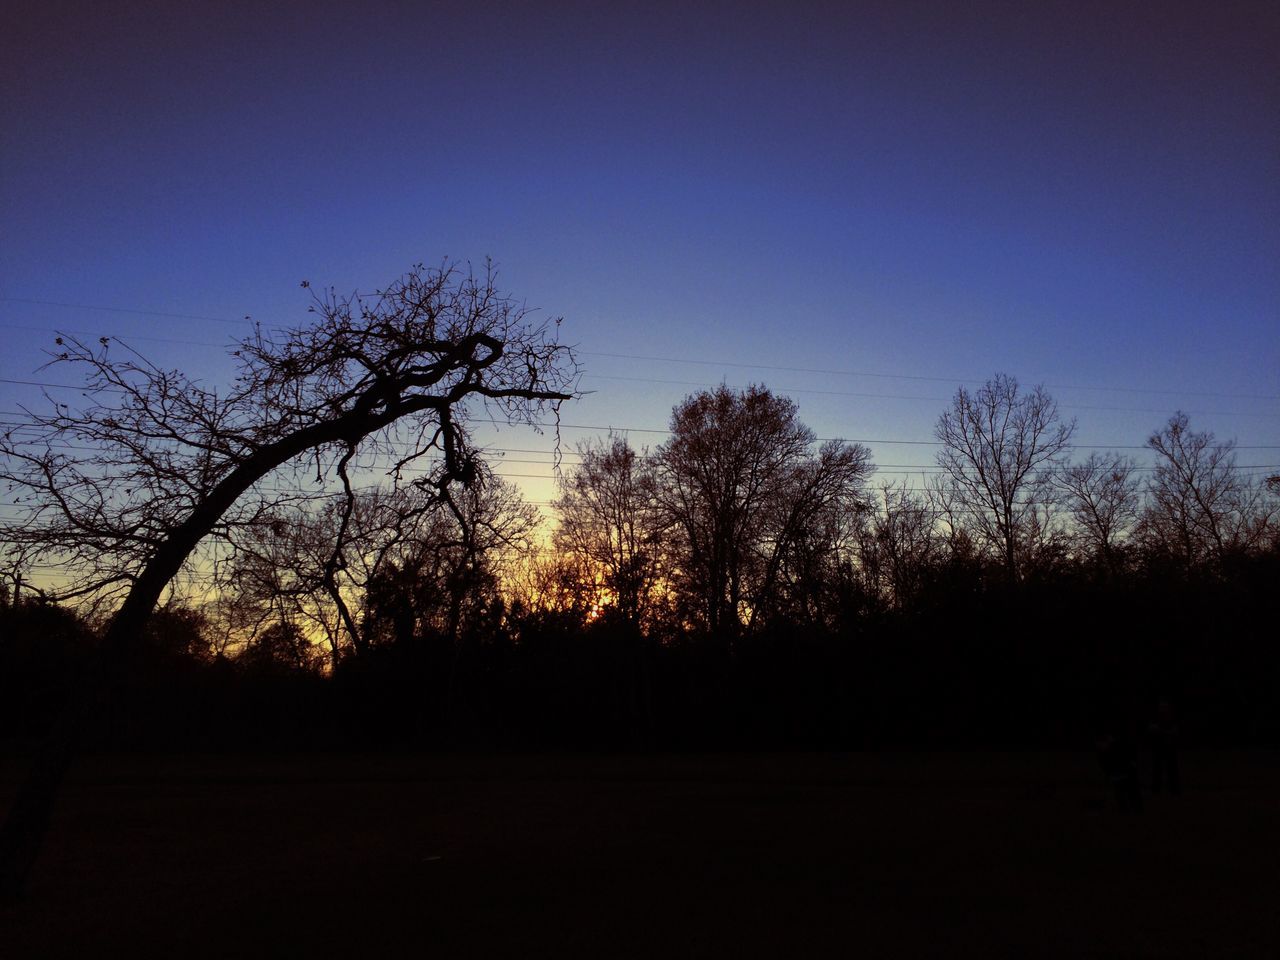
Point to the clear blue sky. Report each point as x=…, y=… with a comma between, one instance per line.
x=1084, y=195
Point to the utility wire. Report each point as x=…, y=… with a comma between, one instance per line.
x=688, y=360
x=865, y=441
x=905, y=376
x=122, y=339
x=891, y=396
x=141, y=313
x=703, y=384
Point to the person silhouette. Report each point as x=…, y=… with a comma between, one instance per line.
x=1119, y=762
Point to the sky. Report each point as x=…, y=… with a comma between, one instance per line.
x=862, y=205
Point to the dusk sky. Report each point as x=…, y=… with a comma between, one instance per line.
x=861, y=205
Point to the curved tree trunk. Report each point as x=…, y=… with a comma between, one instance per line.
x=23, y=831
x=28, y=820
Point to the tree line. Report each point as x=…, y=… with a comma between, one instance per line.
x=740, y=582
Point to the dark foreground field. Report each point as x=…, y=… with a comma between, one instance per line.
x=831, y=855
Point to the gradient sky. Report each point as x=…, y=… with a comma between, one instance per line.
x=1082, y=195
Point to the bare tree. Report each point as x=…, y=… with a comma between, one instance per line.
x=610, y=521
x=275, y=576
x=123, y=490
x=473, y=546
x=900, y=544
x=1201, y=507
x=547, y=581
x=310, y=563
x=1000, y=448
x=950, y=517
x=401, y=552
x=1104, y=500
x=740, y=484
x=811, y=535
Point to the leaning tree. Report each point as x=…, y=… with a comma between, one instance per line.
x=153, y=470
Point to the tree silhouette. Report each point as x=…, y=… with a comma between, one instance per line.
x=379, y=566
x=610, y=521
x=999, y=449
x=899, y=546
x=743, y=489
x=280, y=646
x=1200, y=506
x=122, y=491
x=1104, y=500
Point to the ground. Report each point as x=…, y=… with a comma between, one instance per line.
x=947, y=854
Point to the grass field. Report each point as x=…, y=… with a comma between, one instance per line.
x=970, y=854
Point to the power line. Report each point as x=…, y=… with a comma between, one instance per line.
x=687, y=383
x=891, y=396
x=866, y=441
x=688, y=360
x=62, y=386
x=141, y=313
x=904, y=376
x=693, y=383
x=122, y=339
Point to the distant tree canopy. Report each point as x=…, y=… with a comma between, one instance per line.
x=610, y=526
x=1000, y=450
x=1200, y=507
x=733, y=522
x=756, y=512
x=406, y=563
x=1103, y=497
